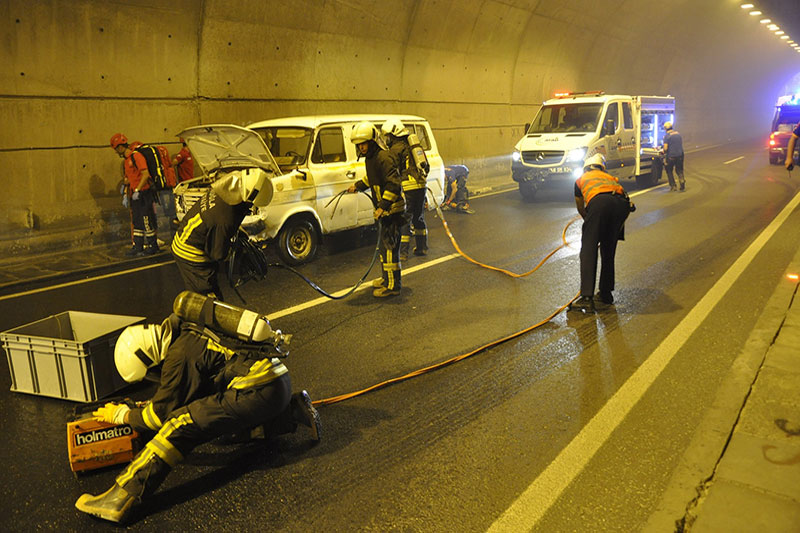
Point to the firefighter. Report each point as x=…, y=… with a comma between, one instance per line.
x=414, y=183
x=204, y=236
x=604, y=206
x=673, y=156
x=207, y=390
x=387, y=197
x=141, y=196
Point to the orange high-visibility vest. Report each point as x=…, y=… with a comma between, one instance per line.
x=595, y=182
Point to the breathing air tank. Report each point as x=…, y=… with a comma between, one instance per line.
x=418, y=155
x=224, y=318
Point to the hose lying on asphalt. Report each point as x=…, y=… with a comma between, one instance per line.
x=455, y=359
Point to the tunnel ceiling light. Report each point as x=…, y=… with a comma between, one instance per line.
x=773, y=27
x=746, y=6
x=784, y=37
x=765, y=21
x=755, y=13
x=779, y=32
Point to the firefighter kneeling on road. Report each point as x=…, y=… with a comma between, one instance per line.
x=215, y=380
x=387, y=197
x=604, y=206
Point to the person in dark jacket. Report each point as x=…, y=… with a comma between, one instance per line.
x=673, y=156
x=203, y=238
x=210, y=386
x=383, y=180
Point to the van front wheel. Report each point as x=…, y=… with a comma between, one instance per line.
x=297, y=241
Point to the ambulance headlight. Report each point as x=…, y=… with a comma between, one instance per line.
x=576, y=154
x=515, y=156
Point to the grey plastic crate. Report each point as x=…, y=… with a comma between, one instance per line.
x=69, y=355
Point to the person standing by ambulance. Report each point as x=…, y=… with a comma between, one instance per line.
x=141, y=197
x=673, y=153
x=387, y=197
x=789, y=163
x=414, y=183
x=604, y=206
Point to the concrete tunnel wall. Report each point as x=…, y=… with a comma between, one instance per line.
x=75, y=72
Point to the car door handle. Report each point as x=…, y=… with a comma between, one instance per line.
x=619, y=142
x=351, y=174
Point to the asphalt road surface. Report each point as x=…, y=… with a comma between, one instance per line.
x=480, y=443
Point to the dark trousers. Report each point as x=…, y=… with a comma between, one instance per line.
x=200, y=278
x=415, y=203
x=605, y=215
x=144, y=220
x=390, y=251
x=677, y=164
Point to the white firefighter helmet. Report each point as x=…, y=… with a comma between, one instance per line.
x=668, y=125
x=363, y=132
x=247, y=185
x=141, y=347
x=595, y=160
x=394, y=127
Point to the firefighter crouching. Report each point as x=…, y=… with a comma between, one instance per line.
x=604, y=206
x=387, y=198
x=211, y=384
x=203, y=238
x=414, y=183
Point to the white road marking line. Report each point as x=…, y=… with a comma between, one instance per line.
x=366, y=285
x=526, y=511
x=733, y=160
x=80, y=281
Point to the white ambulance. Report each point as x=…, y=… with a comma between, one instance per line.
x=627, y=130
x=317, y=161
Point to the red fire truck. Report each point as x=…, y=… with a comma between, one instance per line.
x=787, y=116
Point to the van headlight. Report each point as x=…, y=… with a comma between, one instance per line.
x=576, y=154
x=515, y=156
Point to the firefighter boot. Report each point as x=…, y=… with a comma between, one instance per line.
x=138, y=247
x=151, y=245
x=421, y=242
x=304, y=412
x=113, y=505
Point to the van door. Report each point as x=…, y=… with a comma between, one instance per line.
x=332, y=174
x=612, y=139
x=628, y=137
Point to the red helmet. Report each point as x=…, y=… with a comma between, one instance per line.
x=118, y=139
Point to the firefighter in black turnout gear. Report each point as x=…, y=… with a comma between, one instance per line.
x=387, y=197
x=212, y=384
x=204, y=236
x=414, y=183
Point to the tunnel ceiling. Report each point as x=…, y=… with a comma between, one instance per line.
x=784, y=13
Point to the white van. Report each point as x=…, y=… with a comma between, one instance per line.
x=317, y=162
x=627, y=130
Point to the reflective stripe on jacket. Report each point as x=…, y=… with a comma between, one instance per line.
x=595, y=182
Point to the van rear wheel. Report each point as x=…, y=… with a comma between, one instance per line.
x=297, y=241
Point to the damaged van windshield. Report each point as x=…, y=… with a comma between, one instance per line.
x=289, y=146
x=566, y=118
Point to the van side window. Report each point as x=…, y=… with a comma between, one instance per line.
x=627, y=116
x=329, y=147
x=612, y=114
x=422, y=133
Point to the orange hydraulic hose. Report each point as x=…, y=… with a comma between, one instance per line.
x=455, y=359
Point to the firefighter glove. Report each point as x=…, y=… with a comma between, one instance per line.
x=135, y=195
x=112, y=413
x=125, y=201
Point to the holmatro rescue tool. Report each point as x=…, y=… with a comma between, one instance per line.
x=93, y=444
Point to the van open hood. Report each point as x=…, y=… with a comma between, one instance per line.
x=218, y=147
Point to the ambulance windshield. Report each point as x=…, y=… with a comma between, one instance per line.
x=567, y=118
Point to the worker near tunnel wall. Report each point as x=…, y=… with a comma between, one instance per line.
x=673, y=155
x=210, y=386
x=789, y=163
x=396, y=135
x=604, y=206
x=141, y=197
x=383, y=179
x=204, y=236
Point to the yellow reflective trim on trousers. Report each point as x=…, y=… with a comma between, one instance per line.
x=389, y=196
x=391, y=266
x=261, y=372
x=405, y=238
x=136, y=465
x=165, y=450
x=412, y=185
x=150, y=418
x=420, y=232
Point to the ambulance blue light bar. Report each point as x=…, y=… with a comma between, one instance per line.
x=585, y=93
